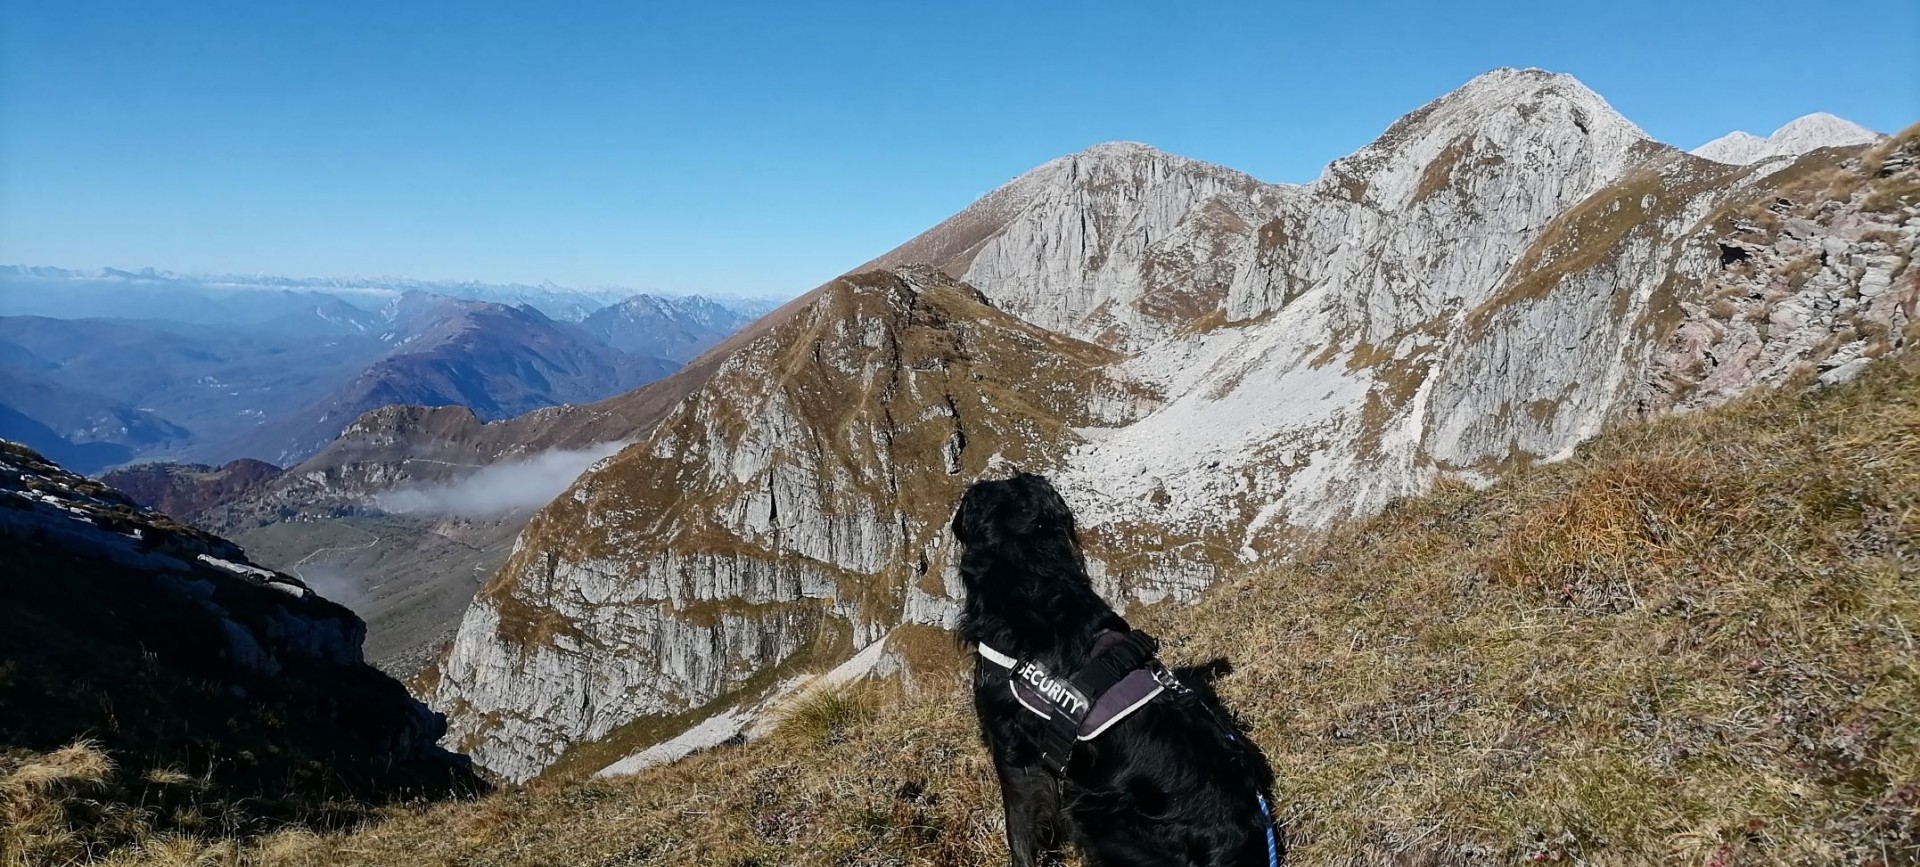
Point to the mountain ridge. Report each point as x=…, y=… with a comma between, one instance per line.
x=496, y=360
x=1324, y=350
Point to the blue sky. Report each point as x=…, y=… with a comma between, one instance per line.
x=764, y=148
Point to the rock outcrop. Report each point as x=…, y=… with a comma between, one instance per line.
x=1809, y=273
x=191, y=493
x=170, y=644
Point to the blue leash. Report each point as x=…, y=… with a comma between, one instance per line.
x=1266, y=814
x=1273, y=846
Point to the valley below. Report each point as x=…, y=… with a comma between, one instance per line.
x=409, y=578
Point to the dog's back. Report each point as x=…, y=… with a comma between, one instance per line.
x=1174, y=782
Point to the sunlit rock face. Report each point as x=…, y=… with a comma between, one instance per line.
x=1801, y=136
x=1208, y=365
x=779, y=516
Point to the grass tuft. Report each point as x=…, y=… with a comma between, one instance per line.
x=36, y=792
x=829, y=715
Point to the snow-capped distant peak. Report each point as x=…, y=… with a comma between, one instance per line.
x=1815, y=131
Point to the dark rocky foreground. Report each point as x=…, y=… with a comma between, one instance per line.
x=181, y=660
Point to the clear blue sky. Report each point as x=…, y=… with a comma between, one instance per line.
x=765, y=148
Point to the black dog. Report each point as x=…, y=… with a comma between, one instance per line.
x=1173, y=781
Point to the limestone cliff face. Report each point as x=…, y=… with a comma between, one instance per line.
x=1208, y=365
x=1483, y=286
x=1120, y=244
x=1315, y=388
x=781, y=515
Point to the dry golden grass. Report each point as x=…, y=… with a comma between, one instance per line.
x=34, y=795
x=828, y=715
x=1691, y=643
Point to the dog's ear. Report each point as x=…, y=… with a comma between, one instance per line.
x=975, y=522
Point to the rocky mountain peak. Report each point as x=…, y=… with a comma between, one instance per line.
x=1799, y=136
x=1123, y=149
x=1123, y=167
x=1120, y=229
x=1530, y=115
x=640, y=304
x=676, y=328
x=790, y=509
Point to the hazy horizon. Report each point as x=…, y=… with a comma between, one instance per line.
x=367, y=283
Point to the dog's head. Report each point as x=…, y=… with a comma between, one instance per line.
x=1020, y=524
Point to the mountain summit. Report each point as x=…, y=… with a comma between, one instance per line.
x=1817, y=130
x=1119, y=234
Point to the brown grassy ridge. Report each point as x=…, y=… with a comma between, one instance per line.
x=1691, y=643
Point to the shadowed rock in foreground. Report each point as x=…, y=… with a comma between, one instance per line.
x=192, y=669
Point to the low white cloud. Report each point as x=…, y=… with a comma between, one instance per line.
x=334, y=583
x=501, y=488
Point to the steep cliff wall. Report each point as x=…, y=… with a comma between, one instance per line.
x=781, y=516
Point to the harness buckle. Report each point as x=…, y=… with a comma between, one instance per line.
x=1166, y=678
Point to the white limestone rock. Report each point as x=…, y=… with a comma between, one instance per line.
x=1799, y=136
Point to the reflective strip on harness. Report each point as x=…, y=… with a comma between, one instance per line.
x=1121, y=701
x=996, y=657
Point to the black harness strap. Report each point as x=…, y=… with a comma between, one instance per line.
x=1118, y=659
x=1066, y=702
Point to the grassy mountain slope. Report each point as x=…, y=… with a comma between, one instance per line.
x=1692, y=642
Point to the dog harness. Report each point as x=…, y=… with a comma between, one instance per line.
x=1119, y=677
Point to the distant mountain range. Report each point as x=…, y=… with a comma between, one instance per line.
x=193, y=369
x=147, y=293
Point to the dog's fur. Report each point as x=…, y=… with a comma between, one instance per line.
x=1169, y=784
